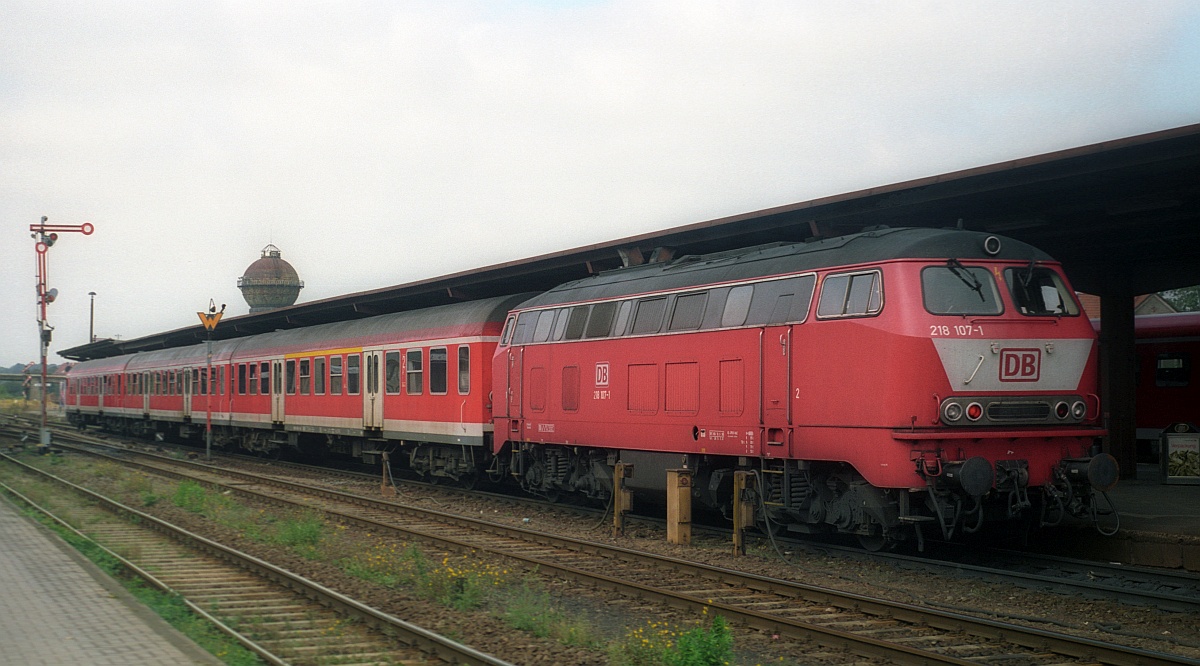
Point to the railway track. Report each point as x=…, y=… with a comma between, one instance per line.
x=282, y=617
x=872, y=628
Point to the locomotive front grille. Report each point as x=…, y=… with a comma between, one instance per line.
x=1018, y=411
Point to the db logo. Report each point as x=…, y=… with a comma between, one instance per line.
x=1020, y=365
x=602, y=374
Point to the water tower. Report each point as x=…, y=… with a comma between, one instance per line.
x=270, y=282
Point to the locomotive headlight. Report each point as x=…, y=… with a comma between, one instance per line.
x=1062, y=410
x=951, y=411
x=974, y=411
x=1079, y=409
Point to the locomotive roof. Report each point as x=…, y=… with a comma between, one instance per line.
x=442, y=321
x=876, y=245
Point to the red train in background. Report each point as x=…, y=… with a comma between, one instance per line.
x=1165, y=394
x=879, y=384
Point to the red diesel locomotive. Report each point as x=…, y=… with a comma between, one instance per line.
x=874, y=383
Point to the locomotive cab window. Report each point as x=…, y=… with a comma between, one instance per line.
x=850, y=295
x=1040, y=292
x=954, y=289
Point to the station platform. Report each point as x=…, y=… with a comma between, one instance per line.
x=1160, y=525
x=56, y=607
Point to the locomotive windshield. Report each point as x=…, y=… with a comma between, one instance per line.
x=954, y=289
x=1039, y=291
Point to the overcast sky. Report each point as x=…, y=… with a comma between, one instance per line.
x=377, y=143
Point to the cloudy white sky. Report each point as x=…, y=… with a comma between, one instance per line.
x=378, y=143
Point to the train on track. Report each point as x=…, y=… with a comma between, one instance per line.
x=881, y=384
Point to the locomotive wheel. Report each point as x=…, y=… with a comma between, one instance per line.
x=469, y=481
x=875, y=542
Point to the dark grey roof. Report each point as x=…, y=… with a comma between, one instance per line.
x=783, y=258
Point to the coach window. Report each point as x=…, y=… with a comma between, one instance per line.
x=545, y=324
x=464, y=370
x=1172, y=369
x=290, y=373
x=689, y=309
x=649, y=316
x=413, y=368
x=850, y=295
x=601, y=322
x=305, y=376
x=264, y=378
x=221, y=384
x=437, y=371
x=391, y=366
x=241, y=380
x=352, y=367
x=319, y=375
x=252, y=377
x=577, y=321
x=335, y=375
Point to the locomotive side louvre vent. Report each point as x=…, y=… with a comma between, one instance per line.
x=1018, y=411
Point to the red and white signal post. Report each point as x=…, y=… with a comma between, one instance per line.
x=46, y=235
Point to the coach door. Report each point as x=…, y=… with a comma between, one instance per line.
x=776, y=389
x=277, y=391
x=189, y=384
x=372, y=394
x=145, y=388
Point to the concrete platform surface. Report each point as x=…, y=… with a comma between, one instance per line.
x=1148, y=505
x=57, y=608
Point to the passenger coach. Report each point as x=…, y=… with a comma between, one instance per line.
x=419, y=378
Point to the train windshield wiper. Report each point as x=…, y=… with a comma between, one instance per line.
x=1028, y=276
x=968, y=278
